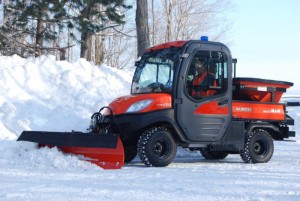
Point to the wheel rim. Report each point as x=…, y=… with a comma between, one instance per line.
x=161, y=148
x=261, y=148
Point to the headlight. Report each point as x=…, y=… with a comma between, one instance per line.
x=140, y=105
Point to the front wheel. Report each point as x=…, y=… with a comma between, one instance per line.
x=156, y=147
x=258, y=148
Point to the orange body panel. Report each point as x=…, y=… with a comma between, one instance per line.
x=212, y=108
x=240, y=109
x=259, y=111
x=159, y=101
x=262, y=96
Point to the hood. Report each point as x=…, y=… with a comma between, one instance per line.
x=156, y=102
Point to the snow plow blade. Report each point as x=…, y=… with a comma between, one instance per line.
x=104, y=150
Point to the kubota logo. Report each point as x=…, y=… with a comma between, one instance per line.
x=243, y=109
x=164, y=105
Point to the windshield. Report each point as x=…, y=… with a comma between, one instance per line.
x=154, y=73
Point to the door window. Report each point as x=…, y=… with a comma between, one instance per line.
x=206, y=74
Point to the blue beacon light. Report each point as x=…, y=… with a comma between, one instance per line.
x=204, y=38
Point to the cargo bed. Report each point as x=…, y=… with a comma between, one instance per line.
x=260, y=90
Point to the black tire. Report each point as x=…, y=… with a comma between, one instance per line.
x=156, y=147
x=258, y=148
x=213, y=155
x=130, y=153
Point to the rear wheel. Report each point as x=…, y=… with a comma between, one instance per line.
x=258, y=148
x=156, y=147
x=213, y=155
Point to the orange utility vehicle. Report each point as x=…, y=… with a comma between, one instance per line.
x=238, y=115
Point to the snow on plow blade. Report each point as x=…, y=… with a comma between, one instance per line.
x=104, y=150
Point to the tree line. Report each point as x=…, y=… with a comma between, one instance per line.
x=114, y=32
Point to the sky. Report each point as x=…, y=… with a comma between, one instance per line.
x=265, y=39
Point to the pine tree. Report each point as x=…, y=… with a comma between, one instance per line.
x=87, y=24
x=34, y=26
x=32, y=19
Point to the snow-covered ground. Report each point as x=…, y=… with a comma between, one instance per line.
x=43, y=94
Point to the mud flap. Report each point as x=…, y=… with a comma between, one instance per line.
x=104, y=150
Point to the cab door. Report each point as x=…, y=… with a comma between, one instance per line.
x=203, y=112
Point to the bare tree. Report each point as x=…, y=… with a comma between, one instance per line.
x=153, y=24
x=86, y=35
x=169, y=15
x=188, y=19
x=100, y=40
x=69, y=43
x=39, y=39
x=5, y=14
x=120, y=47
x=142, y=28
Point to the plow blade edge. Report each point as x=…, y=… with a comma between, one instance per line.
x=104, y=150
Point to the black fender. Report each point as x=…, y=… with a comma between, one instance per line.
x=272, y=129
x=131, y=125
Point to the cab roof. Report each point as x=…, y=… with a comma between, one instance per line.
x=178, y=43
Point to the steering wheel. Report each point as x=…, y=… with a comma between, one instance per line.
x=155, y=85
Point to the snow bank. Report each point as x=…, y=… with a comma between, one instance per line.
x=44, y=94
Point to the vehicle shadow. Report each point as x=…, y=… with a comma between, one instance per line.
x=190, y=160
